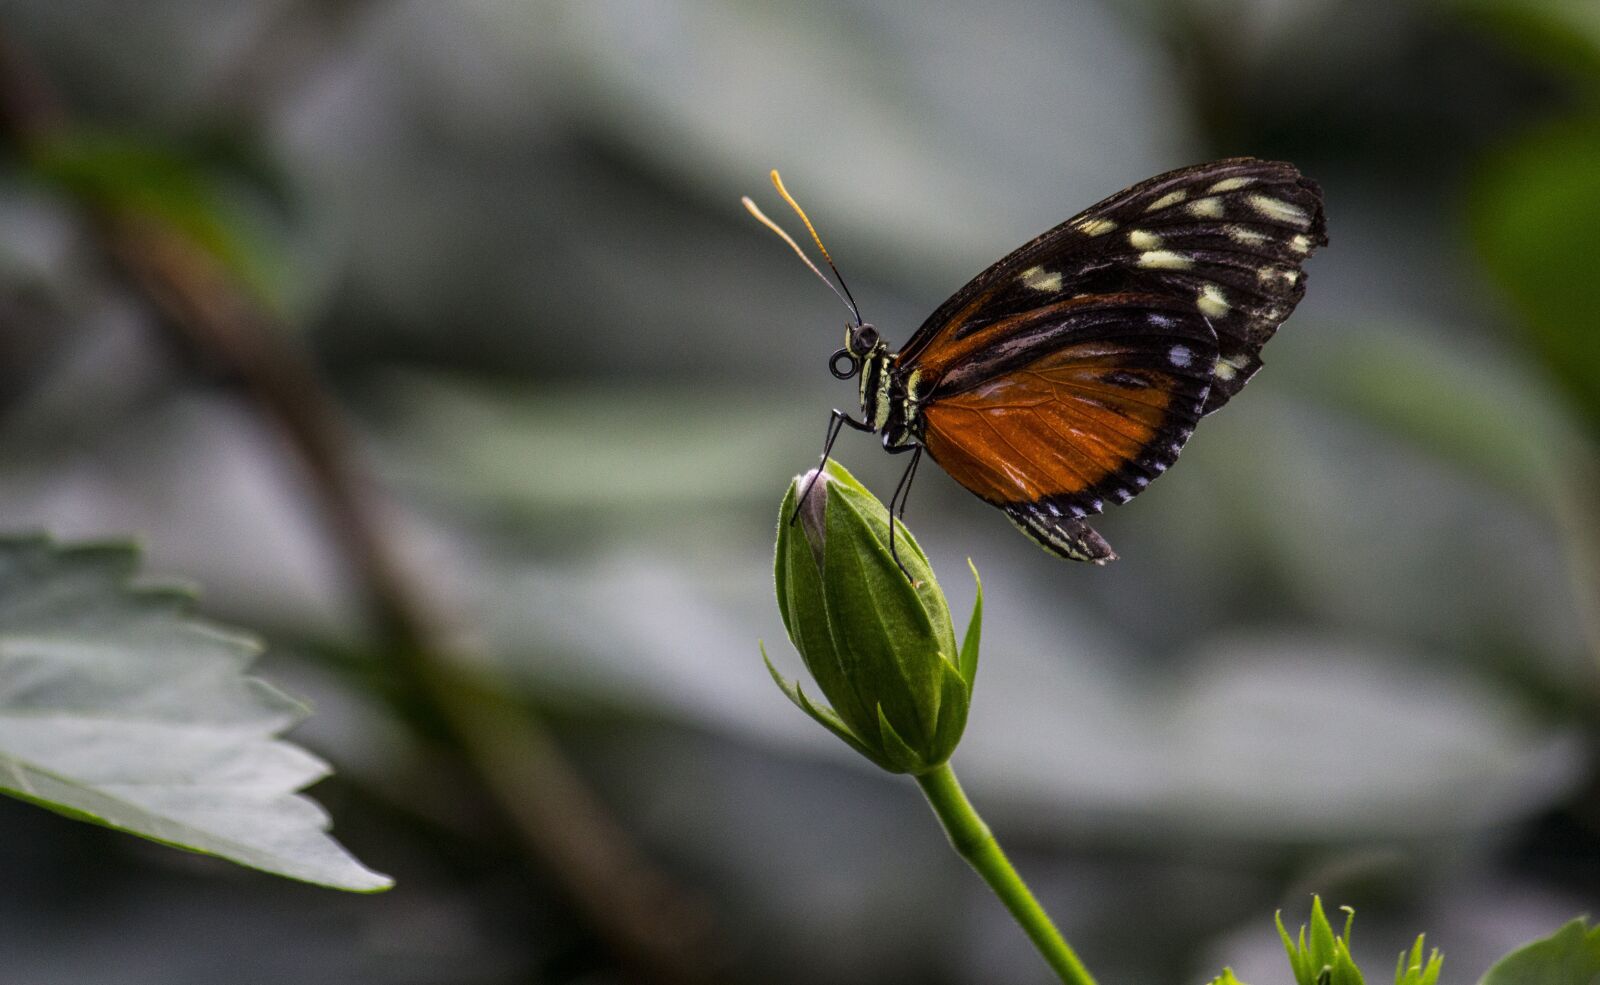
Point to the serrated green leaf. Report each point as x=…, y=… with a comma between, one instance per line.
x=1570, y=956
x=119, y=707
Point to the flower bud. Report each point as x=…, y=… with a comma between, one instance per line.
x=880, y=646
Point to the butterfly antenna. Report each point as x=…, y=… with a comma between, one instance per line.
x=777, y=183
x=762, y=218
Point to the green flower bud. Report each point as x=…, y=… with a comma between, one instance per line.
x=880, y=647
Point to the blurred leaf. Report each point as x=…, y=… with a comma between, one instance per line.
x=128, y=175
x=1536, y=217
x=1271, y=739
x=1563, y=33
x=624, y=451
x=1280, y=739
x=1394, y=416
x=1475, y=409
x=119, y=708
x=916, y=95
x=1570, y=956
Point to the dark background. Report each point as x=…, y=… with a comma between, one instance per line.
x=1351, y=644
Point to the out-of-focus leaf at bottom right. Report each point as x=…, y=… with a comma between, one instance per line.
x=1536, y=219
x=1570, y=956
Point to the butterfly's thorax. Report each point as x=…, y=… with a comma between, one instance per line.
x=876, y=378
x=902, y=424
x=888, y=397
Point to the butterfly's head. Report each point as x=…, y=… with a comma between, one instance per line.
x=860, y=341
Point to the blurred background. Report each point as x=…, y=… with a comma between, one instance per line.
x=433, y=327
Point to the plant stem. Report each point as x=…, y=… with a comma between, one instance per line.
x=973, y=841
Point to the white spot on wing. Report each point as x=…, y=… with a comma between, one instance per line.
x=1212, y=302
x=1223, y=370
x=1179, y=355
x=1164, y=260
x=1277, y=208
x=1040, y=279
x=1230, y=184
x=1141, y=240
x=1246, y=236
x=1301, y=244
x=1167, y=201
x=1095, y=227
x=1206, y=208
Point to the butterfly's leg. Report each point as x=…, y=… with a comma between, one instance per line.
x=838, y=419
x=902, y=491
x=904, y=488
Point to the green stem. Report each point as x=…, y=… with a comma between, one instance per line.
x=974, y=842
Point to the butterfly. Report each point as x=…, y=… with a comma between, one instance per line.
x=1069, y=375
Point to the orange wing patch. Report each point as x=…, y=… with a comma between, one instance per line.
x=1089, y=421
x=966, y=340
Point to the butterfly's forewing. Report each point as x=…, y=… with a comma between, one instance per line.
x=1226, y=238
x=1051, y=414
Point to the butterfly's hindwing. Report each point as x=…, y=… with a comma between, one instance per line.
x=1226, y=239
x=1072, y=407
x=1061, y=536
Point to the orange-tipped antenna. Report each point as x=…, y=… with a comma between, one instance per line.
x=777, y=183
x=761, y=217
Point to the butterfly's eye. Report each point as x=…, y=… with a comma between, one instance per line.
x=863, y=339
x=843, y=364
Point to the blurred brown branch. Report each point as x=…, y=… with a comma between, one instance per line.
x=658, y=932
